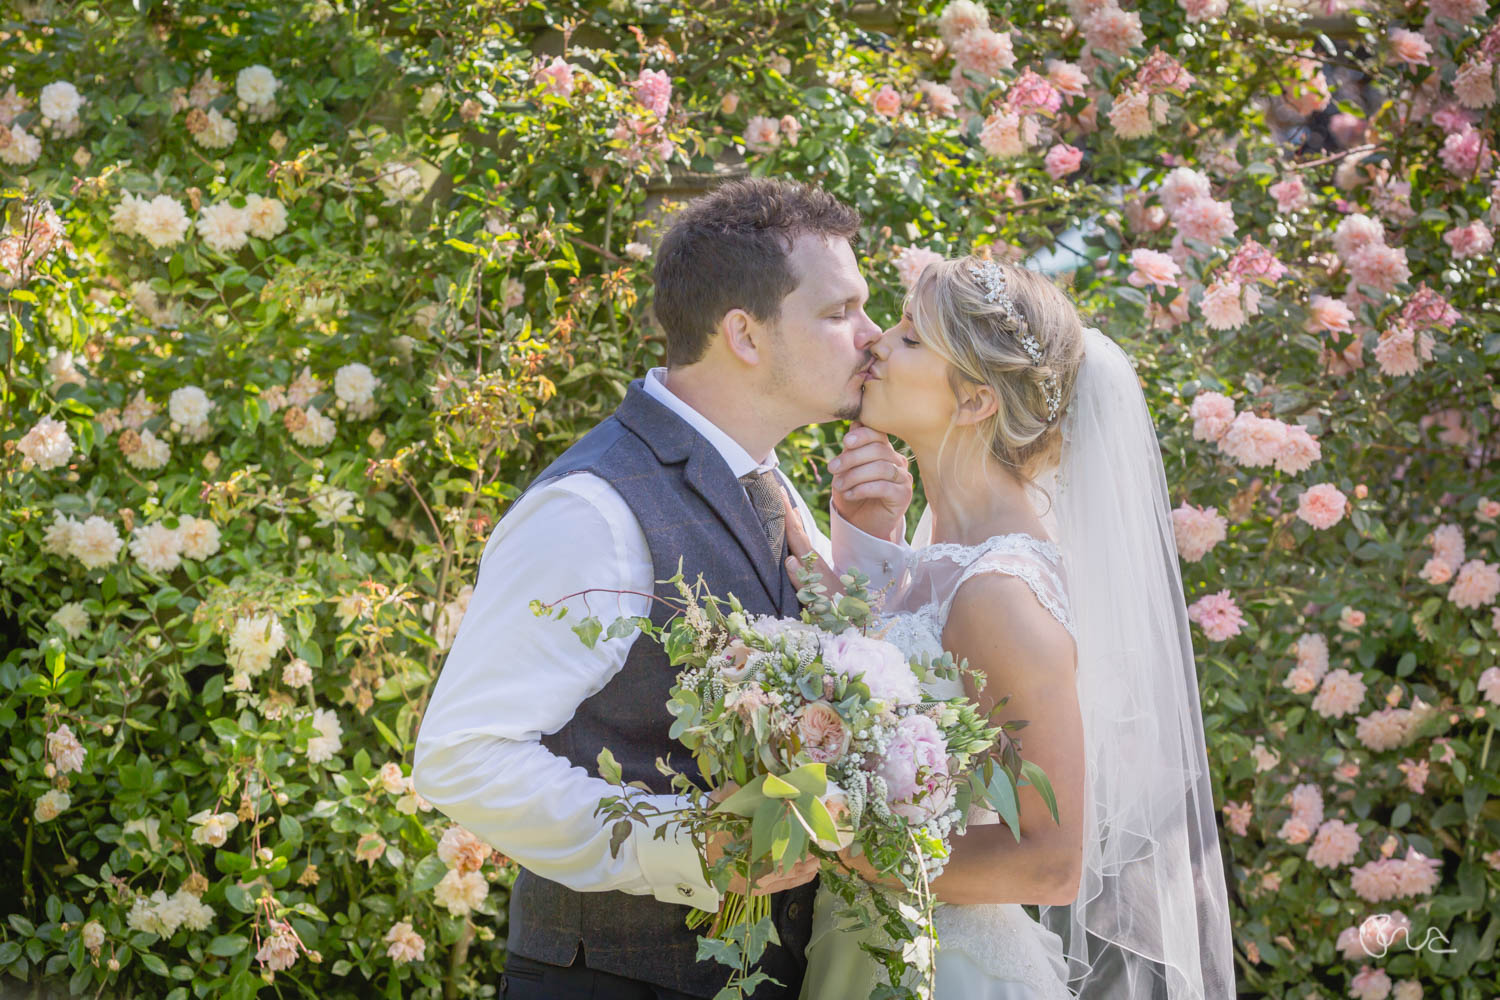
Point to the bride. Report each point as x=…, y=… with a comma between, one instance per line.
x=1046, y=558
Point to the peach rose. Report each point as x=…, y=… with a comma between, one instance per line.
x=824, y=736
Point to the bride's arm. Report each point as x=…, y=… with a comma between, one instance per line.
x=1024, y=652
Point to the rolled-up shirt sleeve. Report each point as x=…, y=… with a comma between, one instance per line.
x=512, y=676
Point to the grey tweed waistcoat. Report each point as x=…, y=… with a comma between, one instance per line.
x=691, y=508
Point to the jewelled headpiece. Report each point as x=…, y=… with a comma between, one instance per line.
x=992, y=279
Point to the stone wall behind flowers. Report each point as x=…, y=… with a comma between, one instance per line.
x=297, y=299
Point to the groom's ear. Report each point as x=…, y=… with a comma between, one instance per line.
x=976, y=403
x=743, y=335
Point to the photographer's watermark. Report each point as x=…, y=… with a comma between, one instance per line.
x=1380, y=932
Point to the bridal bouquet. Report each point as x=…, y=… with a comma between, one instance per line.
x=810, y=737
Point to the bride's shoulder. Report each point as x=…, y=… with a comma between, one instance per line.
x=1006, y=618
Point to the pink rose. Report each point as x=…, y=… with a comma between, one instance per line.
x=790, y=127
x=1290, y=194
x=1217, y=615
x=1487, y=510
x=1475, y=83
x=1299, y=451
x=1204, y=220
x=1322, y=506
x=1436, y=572
x=1330, y=315
x=1131, y=115
x=1253, y=441
x=1477, y=584
x=1427, y=308
x=1401, y=350
x=729, y=102
x=1066, y=77
x=1153, y=268
x=984, y=52
x=824, y=736
x=939, y=96
x=1308, y=91
x=1212, y=413
x=1409, y=47
x=1221, y=305
x=1062, y=160
x=558, y=77
x=1197, y=530
x=1382, y=267
x=1033, y=94
x=1204, y=10
x=879, y=664
x=1352, y=618
x=911, y=261
x=762, y=134
x=1466, y=153
x=1255, y=263
x=1354, y=233
x=887, y=102
x=915, y=769
x=653, y=89
x=1473, y=240
x=1113, y=30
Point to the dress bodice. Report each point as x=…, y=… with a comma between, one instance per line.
x=915, y=608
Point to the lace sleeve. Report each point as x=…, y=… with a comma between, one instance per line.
x=1034, y=569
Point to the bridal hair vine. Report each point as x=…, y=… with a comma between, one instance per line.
x=992, y=278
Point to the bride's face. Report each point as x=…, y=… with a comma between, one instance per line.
x=907, y=391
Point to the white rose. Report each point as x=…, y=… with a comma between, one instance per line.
x=256, y=85
x=189, y=405
x=60, y=101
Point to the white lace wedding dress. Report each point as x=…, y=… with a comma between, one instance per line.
x=985, y=952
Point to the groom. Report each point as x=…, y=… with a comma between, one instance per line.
x=762, y=302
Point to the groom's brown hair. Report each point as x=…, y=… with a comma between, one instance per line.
x=728, y=250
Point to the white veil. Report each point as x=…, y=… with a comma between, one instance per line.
x=1152, y=915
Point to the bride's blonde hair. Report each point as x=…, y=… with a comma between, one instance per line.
x=982, y=347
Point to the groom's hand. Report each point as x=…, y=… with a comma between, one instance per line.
x=766, y=883
x=872, y=483
x=799, y=545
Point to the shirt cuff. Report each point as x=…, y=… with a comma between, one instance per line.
x=880, y=559
x=672, y=865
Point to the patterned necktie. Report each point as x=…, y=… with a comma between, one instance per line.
x=765, y=495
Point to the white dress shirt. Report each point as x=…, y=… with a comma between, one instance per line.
x=512, y=677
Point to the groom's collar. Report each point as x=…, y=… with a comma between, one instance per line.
x=734, y=455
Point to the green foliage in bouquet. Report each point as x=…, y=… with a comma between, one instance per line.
x=766, y=713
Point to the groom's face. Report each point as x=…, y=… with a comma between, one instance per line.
x=821, y=342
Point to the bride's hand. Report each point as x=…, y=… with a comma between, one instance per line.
x=766, y=881
x=799, y=545
x=872, y=483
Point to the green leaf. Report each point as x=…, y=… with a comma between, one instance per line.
x=428, y=873
x=762, y=827
x=387, y=735
x=588, y=630
x=1038, y=778
x=1002, y=796
x=779, y=788
x=228, y=944
x=609, y=768
x=809, y=778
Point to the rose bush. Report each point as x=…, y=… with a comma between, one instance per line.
x=298, y=297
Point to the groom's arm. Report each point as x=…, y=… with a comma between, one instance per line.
x=512, y=677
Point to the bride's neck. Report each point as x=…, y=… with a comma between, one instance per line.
x=972, y=502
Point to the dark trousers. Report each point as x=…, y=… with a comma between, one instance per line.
x=527, y=979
